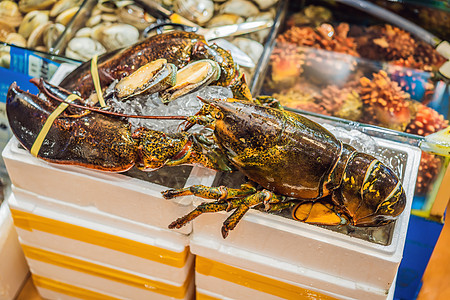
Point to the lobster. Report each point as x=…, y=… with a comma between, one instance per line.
x=290, y=161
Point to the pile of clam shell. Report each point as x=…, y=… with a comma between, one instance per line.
x=116, y=24
x=33, y=24
x=212, y=13
x=111, y=25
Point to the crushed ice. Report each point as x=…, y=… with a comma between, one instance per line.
x=151, y=105
x=367, y=144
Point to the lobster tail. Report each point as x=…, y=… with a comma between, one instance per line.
x=370, y=192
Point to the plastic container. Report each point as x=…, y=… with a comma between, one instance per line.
x=70, y=246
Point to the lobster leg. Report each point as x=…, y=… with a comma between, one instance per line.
x=242, y=205
x=220, y=193
x=157, y=149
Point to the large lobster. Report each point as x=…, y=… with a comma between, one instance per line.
x=289, y=160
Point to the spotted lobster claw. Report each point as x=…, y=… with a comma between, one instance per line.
x=93, y=138
x=76, y=137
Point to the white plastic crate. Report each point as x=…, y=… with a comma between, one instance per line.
x=113, y=193
x=13, y=267
x=101, y=253
x=261, y=242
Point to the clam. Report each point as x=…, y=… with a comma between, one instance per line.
x=67, y=15
x=84, y=48
x=16, y=39
x=251, y=47
x=94, y=20
x=32, y=20
x=30, y=5
x=9, y=13
x=52, y=33
x=63, y=5
x=36, y=37
x=107, y=6
x=242, y=8
x=5, y=59
x=265, y=4
x=151, y=78
x=109, y=18
x=197, y=11
x=136, y=16
x=84, y=32
x=5, y=30
x=261, y=35
x=191, y=78
x=225, y=19
x=114, y=36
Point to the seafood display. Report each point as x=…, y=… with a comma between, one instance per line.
x=110, y=25
x=379, y=75
x=116, y=24
x=182, y=49
x=33, y=24
x=290, y=161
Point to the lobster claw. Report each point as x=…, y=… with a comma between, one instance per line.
x=83, y=138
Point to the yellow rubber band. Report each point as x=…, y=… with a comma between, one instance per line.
x=48, y=124
x=96, y=79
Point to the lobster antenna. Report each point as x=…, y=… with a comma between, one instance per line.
x=97, y=110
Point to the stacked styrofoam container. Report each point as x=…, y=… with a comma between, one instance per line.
x=273, y=257
x=91, y=234
x=13, y=267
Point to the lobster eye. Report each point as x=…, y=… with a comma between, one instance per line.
x=219, y=115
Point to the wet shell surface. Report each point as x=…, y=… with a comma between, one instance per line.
x=32, y=20
x=261, y=35
x=16, y=39
x=265, y=4
x=192, y=77
x=63, y=5
x=114, y=36
x=5, y=30
x=151, y=78
x=197, y=11
x=84, y=48
x=253, y=48
x=10, y=14
x=67, y=15
x=52, y=33
x=242, y=8
x=36, y=37
x=136, y=16
x=30, y=5
x=225, y=19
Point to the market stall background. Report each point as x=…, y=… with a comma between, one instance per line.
x=413, y=79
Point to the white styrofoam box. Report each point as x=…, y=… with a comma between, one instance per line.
x=112, y=193
x=304, y=246
x=13, y=266
x=105, y=239
x=107, y=284
x=260, y=277
x=209, y=288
